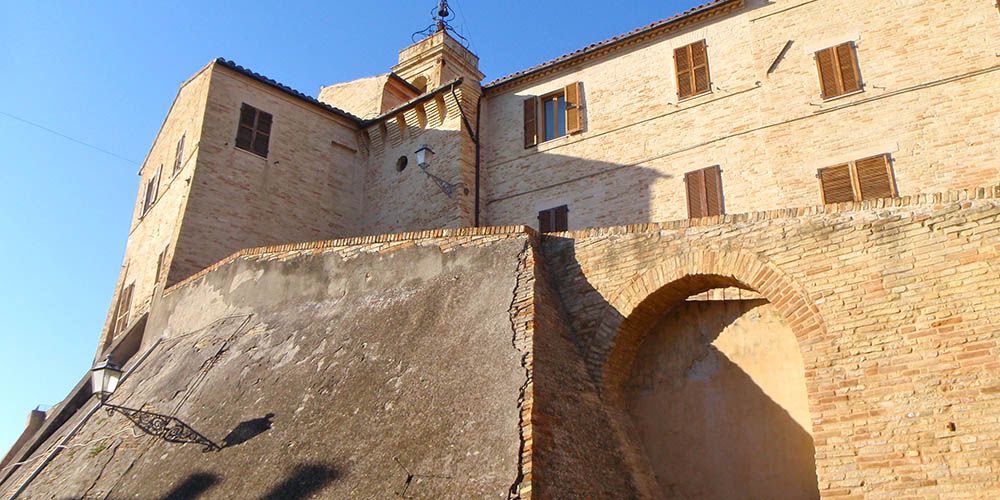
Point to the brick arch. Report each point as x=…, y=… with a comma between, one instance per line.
x=633, y=311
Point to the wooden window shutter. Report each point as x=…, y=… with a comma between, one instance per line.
x=696, y=194
x=713, y=191
x=244, y=133
x=574, y=110
x=874, y=177
x=838, y=70
x=530, y=122
x=826, y=65
x=682, y=61
x=835, y=184
x=693, y=76
x=560, y=218
x=262, y=135
x=847, y=60
x=699, y=65
x=179, y=156
x=545, y=221
x=124, y=309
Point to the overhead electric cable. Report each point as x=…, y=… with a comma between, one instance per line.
x=64, y=136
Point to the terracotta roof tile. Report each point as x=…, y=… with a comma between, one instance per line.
x=286, y=89
x=611, y=41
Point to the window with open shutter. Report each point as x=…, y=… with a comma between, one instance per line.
x=704, y=192
x=179, y=156
x=123, y=310
x=554, y=219
x=254, y=131
x=160, y=263
x=691, y=64
x=530, y=122
x=838, y=70
x=865, y=179
x=152, y=190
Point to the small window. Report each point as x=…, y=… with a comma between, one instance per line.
x=865, y=179
x=179, y=156
x=254, y=131
x=401, y=163
x=553, y=115
x=704, y=192
x=152, y=188
x=123, y=310
x=160, y=263
x=691, y=62
x=554, y=219
x=838, y=70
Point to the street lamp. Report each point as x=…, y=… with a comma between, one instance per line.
x=104, y=378
x=424, y=156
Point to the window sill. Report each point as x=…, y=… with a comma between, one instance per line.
x=693, y=97
x=843, y=96
x=247, y=151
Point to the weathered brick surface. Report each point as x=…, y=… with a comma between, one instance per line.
x=930, y=71
x=894, y=305
x=157, y=230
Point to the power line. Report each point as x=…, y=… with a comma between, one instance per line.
x=64, y=136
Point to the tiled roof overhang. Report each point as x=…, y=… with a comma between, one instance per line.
x=287, y=90
x=686, y=18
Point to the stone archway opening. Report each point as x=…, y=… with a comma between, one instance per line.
x=709, y=379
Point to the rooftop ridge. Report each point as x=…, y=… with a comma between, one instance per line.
x=619, y=41
x=357, y=241
x=286, y=89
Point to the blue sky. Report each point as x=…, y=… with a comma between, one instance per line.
x=105, y=73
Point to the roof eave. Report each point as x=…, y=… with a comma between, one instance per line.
x=598, y=49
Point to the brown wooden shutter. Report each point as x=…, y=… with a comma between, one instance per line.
x=713, y=191
x=835, y=184
x=124, y=309
x=244, y=132
x=560, y=218
x=530, y=122
x=682, y=62
x=699, y=65
x=826, y=65
x=574, y=112
x=179, y=155
x=874, y=177
x=262, y=133
x=848, y=66
x=545, y=221
x=696, y=194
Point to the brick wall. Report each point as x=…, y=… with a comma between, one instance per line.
x=894, y=304
x=308, y=187
x=156, y=231
x=929, y=69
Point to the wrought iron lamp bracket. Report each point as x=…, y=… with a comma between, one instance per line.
x=164, y=427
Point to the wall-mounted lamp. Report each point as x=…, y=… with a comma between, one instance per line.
x=104, y=378
x=424, y=156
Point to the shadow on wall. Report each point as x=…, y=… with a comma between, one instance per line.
x=708, y=427
x=247, y=430
x=709, y=398
x=193, y=487
x=597, y=193
x=304, y=482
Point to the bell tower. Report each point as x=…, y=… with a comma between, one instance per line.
x=439, y=57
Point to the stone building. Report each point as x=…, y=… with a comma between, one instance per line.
x=819, y=320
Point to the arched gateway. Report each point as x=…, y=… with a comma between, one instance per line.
x=712, y=398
